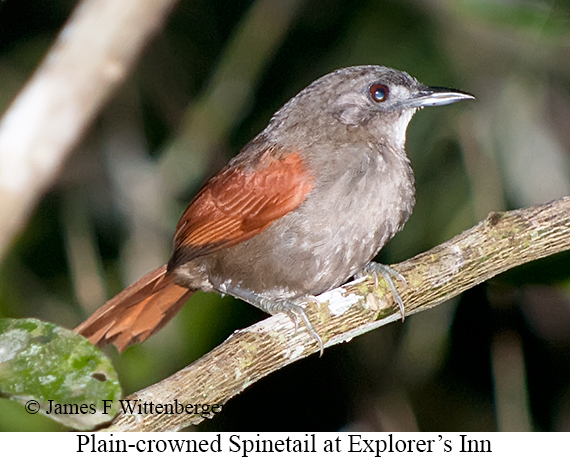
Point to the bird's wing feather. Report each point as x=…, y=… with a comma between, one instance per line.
x=239, y=203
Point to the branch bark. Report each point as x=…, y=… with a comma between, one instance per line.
x=91, y=56
x=500, y=242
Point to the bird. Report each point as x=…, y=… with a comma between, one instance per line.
x=305, y=206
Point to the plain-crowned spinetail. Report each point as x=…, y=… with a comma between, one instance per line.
x=304, y=206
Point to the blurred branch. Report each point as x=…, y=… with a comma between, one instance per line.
x=500, y=242
x=91, y=56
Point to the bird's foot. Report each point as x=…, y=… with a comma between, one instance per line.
x=388, y=274
x=292, y=307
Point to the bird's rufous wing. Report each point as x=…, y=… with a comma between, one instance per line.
x=238, y=204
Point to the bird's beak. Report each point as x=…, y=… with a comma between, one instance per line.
x=436, y=96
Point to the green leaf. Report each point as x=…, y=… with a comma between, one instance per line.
x=57, y=371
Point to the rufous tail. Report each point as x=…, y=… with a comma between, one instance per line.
x=137, y=312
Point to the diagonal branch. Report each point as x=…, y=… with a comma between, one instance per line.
x=92, y=55
x=500, y=242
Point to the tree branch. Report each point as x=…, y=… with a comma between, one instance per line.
x=91, y=56
x=500, y=242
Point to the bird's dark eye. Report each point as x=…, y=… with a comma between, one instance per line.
x=378, y=92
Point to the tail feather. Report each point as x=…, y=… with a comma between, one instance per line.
x=137, y=312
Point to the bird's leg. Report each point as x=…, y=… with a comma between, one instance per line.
x=292, y=307
x=374, y=269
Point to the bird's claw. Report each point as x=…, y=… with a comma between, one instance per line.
x=294, y=310
x=374, y=269
x=290, y=307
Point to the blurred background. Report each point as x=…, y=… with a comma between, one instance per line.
x=495, y=358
